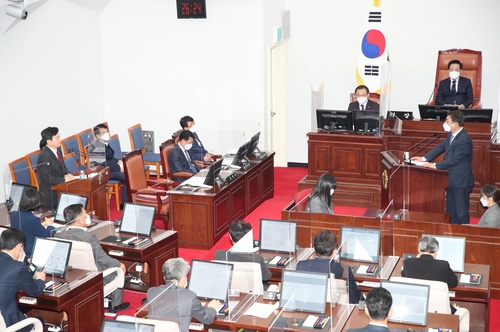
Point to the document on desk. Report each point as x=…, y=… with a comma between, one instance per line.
x=196, y=181
x=261, y=310
x=227, y=161
x=418, y=163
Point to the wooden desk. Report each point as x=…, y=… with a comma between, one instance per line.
x=162, y=246
x=202, y=218
x=82, y=299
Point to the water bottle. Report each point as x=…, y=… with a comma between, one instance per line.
x=82, y=174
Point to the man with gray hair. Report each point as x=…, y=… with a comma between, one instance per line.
x=175, y=272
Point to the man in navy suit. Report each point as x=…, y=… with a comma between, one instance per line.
x=378, y=309
x=457, y=148
x=325, y=244
x=362, y=102
x=197, y=151
x=455, y=90
x=14, y=276
x=179, y=158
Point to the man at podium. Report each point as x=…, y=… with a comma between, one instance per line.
x=457, y=148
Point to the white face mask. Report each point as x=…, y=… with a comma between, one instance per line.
x=446, y=127
x=484, y=202
x=188, y=146
x=332, y=191
x=21, y=256
x=105, y=137
x=88, y=221
x=454, y=74
x=192, y=129
x=361, y=100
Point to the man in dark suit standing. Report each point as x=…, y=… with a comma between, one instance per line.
x=457, y=148
x=198, y=151
x=179, y=158
x=14, y=276
x=362, y=102
x=378, y=309
x=455, y=90
x=51, y=169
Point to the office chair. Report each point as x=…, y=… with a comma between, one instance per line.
x=337, y=288
x=71, y=162
x=32, y=163
x=72, y=144
x=165, y=149
x=19, y=325
x=83, y=137
x=20, y=171
x=301, y=198
x=137, y=142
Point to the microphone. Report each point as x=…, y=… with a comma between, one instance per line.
x=80, y=155
x=426, y=145
x=407, y=157
x=432, y=93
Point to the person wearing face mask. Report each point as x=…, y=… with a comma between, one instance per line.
x=320, y=200
x=490, y=197
x=457, y=149
x=197, y=151
x=25, y=220
x=15, y=276
x=362, y=102
x=455, y=90
x=77, y=221
x=179, y=158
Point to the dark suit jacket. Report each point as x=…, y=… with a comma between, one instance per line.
x=189, y=306
x=14, y=276
x=111, y=161
x=464, y=95
x=197, y=151
x=370, y=328
x=427, y=268
x=178, y=162
x=457, y=159
x=321, y=265
x=31, y=227
x=49, y=175
x=220, y=255
x=370, y=106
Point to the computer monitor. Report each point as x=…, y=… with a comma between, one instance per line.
x=210, y=280
x=363, y=244
x=309, y=288
x=254, y=142
x=117, y=326
x=366, y=122
x=278, y=236
x=478, y=115
x=334, y=120
x=16, y=193
x=241, y=153
x=213, y=172
x=52, y=254
x=402, y=115
x=435, y=112
x=137, y=219
x=410, y=302
x=451, y=249
x=67, y=199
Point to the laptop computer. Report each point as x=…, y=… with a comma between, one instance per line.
x=117, y=326
x=65, y=200
x=52, y=254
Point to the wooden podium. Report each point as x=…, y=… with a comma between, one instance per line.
x=94, y=188
x=411, y=187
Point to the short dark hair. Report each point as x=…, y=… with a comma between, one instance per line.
x=455, y=61
x=47, y=134
x=238, y=229
x=325, y=243
x=491, y=191
x=359, y=87
x=31, y=200
x=457, y=116
x=184, y=121
x=98, y=128
x=185, y=135
x=12, y=237
x=379, y=303
x=73, y=211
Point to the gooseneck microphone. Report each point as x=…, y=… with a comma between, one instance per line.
x=426, y=145
x=407, y=156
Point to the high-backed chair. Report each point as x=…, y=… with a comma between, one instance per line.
x=301, y=199
x=372, y=96
x=32, y=162
x=472, y=68
x=137, y=143
x=83, y=137
x=439, y=299
x=337, y=288
x=20, y=171
x=19, y=325
x=143, y=191
x=71, y=162
x=160, y=325
x=246, y=277
x=72, y=144
x=165, y=149
x=114, y=143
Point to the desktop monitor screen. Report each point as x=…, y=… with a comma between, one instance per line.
x=254, y=142
x=478, y=115
x=68, y=199
x=367, y=122
x=309, y=288
x=213, y=172
x=363, y=244
x=210, y=280
x=332, y=120
x=278, y=236
x=410, y=302
x=117, y=326
x=241, y=154
x=51, y=254
x=451, y=249
x=435, y=112
x=16, y=193
x=137, y=219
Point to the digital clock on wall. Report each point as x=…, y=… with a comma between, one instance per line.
x=191, y=9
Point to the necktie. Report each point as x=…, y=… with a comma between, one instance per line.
x=452, y=138
x=454, y=91
x=191, y=166
x=59, y=157
x=362, y=107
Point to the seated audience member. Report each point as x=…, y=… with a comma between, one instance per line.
x=455, y=90
x=378, y=309
x=362, y=102
x=179, y=158
x=237, y=230
x=175, y=272
x=325, y=244
x=51, y=169
x=31, y=225
x=78, y=220
x=320, y=200
x=15, y=276
x=490, y=196
x=198, y=151
x=427, y=267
